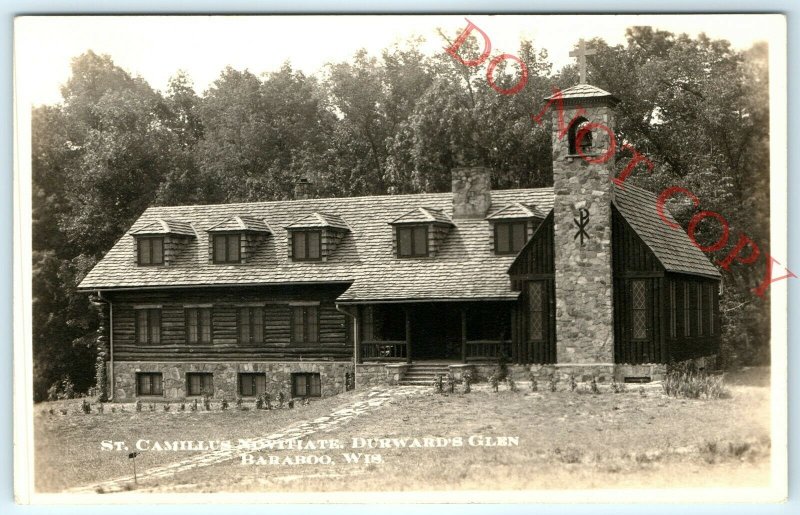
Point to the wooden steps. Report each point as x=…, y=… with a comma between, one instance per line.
x=423, y=374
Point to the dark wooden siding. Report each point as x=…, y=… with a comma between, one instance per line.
x=536, y=262
x=633, y=261
x=681, y=346
x=276, y=302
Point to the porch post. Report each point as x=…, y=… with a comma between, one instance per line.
x=357, y=333
x=463, y=334
x=408, y=335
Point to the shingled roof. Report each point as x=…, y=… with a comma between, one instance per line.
x=672, y=247
x=517, y=211
x=584, y=91
x=241, y=223
x=320, y=220
x=161, y=226
x=423, y=215
x=464, y=268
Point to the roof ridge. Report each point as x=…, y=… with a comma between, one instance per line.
x=343, y=198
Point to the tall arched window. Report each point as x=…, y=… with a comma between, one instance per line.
x=586, y=141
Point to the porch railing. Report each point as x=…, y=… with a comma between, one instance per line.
x=385, y=350
x=487, y=349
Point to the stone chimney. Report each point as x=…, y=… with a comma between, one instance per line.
x=472, y=192
x=302, y=189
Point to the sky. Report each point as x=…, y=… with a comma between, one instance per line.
x=156, y=47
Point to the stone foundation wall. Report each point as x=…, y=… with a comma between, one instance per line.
x=371, y=374
x=278, y=375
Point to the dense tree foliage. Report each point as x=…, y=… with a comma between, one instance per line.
x=395, y=123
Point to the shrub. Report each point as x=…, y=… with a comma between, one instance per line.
x=182, y=407
x=167, y=407
x=553, y=384
x=534, y=383
x=290, y=403
x=138, y=406
x=684, y=380
x=512, y=385
x=86, y=407
x=572, y=383
x=224, y=404
x=494, y=382
x=617, y=387
x=63, y=411
x=113, y=409
x=60, y=390
x=438, y=385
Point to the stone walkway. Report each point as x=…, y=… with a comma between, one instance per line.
x=370, y=400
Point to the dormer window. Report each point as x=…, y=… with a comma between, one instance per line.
x=512, y=227
x=315, y=236
x=420, y=232
x=510, y=237
x=227, y=248
x=306, y=245
x=160, y=242
x=151, y=251
x=412, y=241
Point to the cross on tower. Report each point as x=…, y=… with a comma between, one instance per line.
x=581, y=52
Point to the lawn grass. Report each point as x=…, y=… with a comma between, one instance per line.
x=566, y=440
x=67, y=449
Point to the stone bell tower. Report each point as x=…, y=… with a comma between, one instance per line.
x=583, y=160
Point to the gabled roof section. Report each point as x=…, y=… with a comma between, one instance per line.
x=672, y=247
x=162, y=226
x=241, y=223
x=317, y=220
x=465, y=267
x=517, y=211
x=422, y=215
x=584, y=91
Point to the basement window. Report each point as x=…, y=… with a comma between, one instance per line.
x=252, y=384
x=306, y=385
x=201, y=383
x=149, y=383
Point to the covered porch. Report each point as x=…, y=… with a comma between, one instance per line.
x=454, y=332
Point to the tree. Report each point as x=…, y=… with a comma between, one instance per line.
x=698, y=109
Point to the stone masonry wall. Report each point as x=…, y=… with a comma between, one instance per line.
x=584, y=318
x=278, y=375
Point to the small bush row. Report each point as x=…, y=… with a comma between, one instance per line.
x=262, y=402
